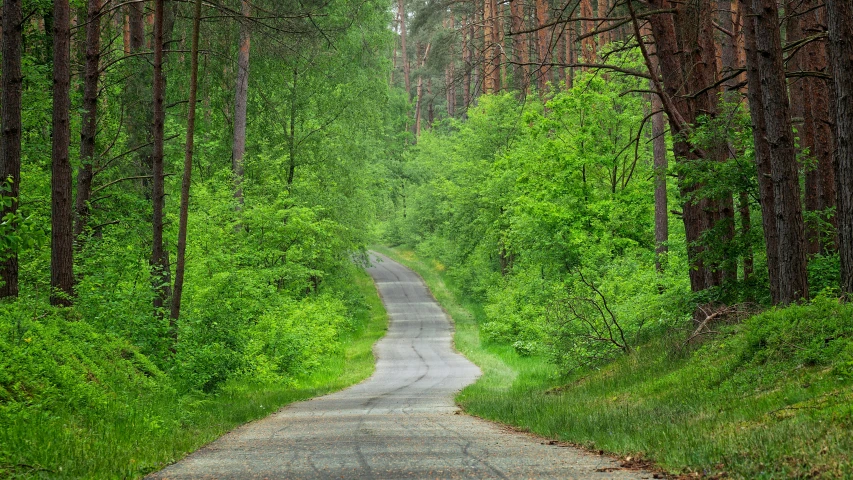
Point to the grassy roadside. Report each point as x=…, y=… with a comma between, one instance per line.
x=769, y=398
x=144, y=425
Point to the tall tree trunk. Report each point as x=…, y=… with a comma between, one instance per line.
x=840, y=22
x=450, y=72
x=746, y=228
x=810, y=102
x=570, y=54
x=159, y=255
x=521, y=58
x=420, y=97
x=489, y=46
x=401, y=7
x=89, y=124
x=792, y=272
x=661, y=166
x=686, y=53
x=543, y=44
x=62, y=238
x=605, y=37
x=291, y=137
x=467, y=65
x=767, y=197
x=241, y=103
x=728, y=63
x=10, y=137
x=136, y=25
x=180, y=262
x=588, y=43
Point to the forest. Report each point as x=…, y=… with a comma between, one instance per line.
x=625, y=202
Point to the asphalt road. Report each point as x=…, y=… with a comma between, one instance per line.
x=400, y=423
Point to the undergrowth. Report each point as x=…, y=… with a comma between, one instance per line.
x=771, y=397
x=79, y=403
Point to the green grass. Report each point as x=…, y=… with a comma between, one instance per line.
x=141, y=425
x=769, y=398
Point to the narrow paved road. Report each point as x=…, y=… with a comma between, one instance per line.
x=401, y=423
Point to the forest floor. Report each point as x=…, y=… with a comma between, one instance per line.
x=401, y=423
x=771, y=397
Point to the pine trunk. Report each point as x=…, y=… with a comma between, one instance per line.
x=767, y=197
x=62, y=236
x=241, y=103
x=401, y=7
x=520, y=55
x=543, y=45
x=89, y=124
x=792, y=272
x=840, y=22
x=11, y=82
x=159, y=256
x=180, y=262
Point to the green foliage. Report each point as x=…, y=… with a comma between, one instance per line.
x=275, y=307
x=520, y=197
x=768, y=398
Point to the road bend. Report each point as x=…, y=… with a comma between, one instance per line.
x=400, y=423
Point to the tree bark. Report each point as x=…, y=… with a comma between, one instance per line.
x=466, y=62
x=401, y=7
x=810, y=103
x=588, y=43
x=241, y=103
x=450, y=72
x=159, y=256
x=792, y=272
x=840, y=23
x=686, y=53
x=89, y=124
x=62, y=238
x=136, y=25
x=543, y=45
x=10, y=139
x=661, y=166
x=767, y=197
x=180, y=262
x=519, y=47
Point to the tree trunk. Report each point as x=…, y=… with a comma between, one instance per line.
x=840, y=22
x=766, y=195
x=466, y=62
x=10, y=140
x=62, y=238
x=401, y=7
x=792, y=272
x=159, y=255
x=241, y=103
x=746, y=228
x=543, y=44
x=450, y=72
x=136, y=25
x=519, y=47
x=180, y=262
x=686, y=54
x=661, y=166
x=605, y=37
x=89, y=124
x=588, y=43
x=810, y=102
x=420, y=97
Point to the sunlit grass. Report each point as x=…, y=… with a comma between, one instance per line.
x=707, y=412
